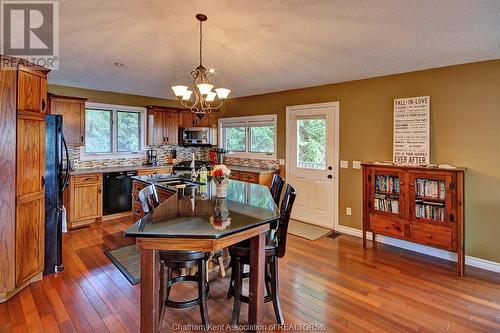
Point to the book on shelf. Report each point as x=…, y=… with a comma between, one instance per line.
x=387, y=183
x=430, y=188
x=429, y=210
x=386, y=204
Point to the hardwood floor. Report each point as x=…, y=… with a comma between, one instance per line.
x=328, y=281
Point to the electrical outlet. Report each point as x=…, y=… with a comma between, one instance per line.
x=348, y=211
x=356, y=164
x=281, y=161
x=344, y=164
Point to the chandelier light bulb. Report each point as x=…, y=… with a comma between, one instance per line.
x=210, y=96
x=179, y=91
x=222, y=93
x=204, y=88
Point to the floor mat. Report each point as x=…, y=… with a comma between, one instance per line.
x=306, y=230
x=128, y=260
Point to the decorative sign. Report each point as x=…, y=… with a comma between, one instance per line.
x=411, y=130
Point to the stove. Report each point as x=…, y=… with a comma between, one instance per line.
x=186, y=165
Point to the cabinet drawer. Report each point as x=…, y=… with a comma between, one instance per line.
x=150, y=172
x=386, y=226
x=235, y=175
x=85, y=179
x=433, y=235
x=249, y=177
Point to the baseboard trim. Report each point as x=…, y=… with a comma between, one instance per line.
x=442, y=254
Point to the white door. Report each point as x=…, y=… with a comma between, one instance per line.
x=312, y=162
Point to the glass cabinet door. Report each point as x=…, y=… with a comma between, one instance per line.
x=430, y=198
x=386, y=192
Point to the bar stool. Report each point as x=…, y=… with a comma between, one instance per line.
x=275, y=249
x=174, y=260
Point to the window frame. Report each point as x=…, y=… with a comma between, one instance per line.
x=114, y=108
x=246, y=121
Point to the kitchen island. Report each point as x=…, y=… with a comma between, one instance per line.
x=194, y=219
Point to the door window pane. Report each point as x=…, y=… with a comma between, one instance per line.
x=235, y=139
x=98, y=131
x=311, y=143
x=128, y=127
x=262, y=139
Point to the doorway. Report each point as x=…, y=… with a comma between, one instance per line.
x=312, y=160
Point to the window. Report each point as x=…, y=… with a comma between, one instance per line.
x=113, y=131
x=253, y=136
x=311, y=143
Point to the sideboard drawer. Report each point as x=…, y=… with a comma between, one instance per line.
x=433, y=235
x=384, y=226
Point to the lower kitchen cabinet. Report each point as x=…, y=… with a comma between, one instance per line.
x=251, y=177
x=137, y=186
x=152, y=172
x=83, y=200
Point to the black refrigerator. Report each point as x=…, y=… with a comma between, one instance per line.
x=57, y=165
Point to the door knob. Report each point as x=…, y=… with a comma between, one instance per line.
x=330, y=168
x=330, y=176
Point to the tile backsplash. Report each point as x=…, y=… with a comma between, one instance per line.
x=250, y=162
x=183, y=153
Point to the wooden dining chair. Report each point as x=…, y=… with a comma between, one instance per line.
x=277, y=187
x=275, y=249
x=175, y=260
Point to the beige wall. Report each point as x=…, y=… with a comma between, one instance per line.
x=465, y=131
x=110, y=97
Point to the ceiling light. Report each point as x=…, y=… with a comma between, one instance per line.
x=118, y=64
x=204, y=98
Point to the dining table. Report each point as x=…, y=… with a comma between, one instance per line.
x=194, y=218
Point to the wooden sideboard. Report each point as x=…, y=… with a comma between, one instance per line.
x=416, y=204
x=23, y=104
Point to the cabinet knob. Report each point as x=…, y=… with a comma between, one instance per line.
x=429, y=236
x=81, y=139
x=100, y=189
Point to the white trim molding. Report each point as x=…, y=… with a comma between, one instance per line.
x=442, y=254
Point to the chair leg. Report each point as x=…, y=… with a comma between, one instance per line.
x=231, y=281
x=275, y=292
x=268, y=278
x=237, y=272
x=221, y=267
x=169, y=277
x=162, y=291
x=202, y=292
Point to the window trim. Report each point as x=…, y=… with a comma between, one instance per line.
x=84, y=156
x=249, y=119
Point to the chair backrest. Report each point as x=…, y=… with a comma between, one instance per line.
x=284, y=221
x=148, y=198
x=277, y=188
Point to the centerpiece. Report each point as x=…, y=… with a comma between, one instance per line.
x=220, y=220
x=220, y=174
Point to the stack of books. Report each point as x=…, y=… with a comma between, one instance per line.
x=430, y=188
x=387, y=183
x=429, y=210
x=386, y=203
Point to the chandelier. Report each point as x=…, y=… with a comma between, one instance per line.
x=205, y=100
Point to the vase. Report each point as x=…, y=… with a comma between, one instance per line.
x=221, y=186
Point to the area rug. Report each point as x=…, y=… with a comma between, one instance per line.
x=306, y=230
x=128, y=260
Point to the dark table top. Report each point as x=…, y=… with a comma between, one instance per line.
x=196, y=212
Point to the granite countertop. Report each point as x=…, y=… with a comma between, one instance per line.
x=196, y=212
x=242, y=168
x=86, y=171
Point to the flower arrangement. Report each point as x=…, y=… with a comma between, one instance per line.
x=220, y=173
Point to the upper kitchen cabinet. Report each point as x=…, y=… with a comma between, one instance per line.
x=189, y=119
x=32, y=91
x=73, y=111
x=162, y=126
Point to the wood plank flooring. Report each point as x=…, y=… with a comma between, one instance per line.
x=329, y=282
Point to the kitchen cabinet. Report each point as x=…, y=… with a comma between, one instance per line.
x=73, y=111
x=137, y=186
x=253, y=177
x=189, y=119
x=32, y=91
x=22, y=161
x=83, y=200
x=153, y=172
x=162, y=126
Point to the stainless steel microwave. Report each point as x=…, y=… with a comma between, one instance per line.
x=197, y=136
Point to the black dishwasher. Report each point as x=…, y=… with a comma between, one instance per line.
x=117, y=192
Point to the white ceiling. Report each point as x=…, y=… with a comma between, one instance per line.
x=260, y=46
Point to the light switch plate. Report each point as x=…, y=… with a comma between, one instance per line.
x=344, y=164
x=356, y=164
x=281, y=161
x=348, y=211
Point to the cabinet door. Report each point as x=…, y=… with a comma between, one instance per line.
x=30, y=155
x=29, y=91
x=159, y=136
x=29, y=239
x=186, y=119
x=87, y=203
x=172, y=127
x=203, y=122
x=430, y=198
x=387, y=192
x=73, y=112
